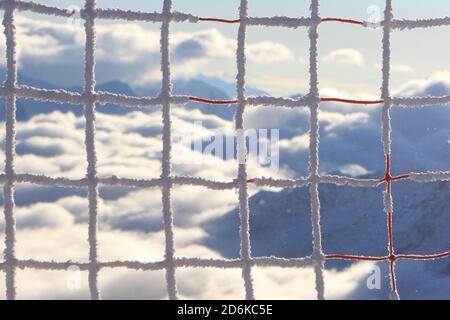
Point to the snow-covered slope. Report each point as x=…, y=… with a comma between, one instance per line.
x=353, y=221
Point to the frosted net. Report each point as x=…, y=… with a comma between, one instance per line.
x=90, y=97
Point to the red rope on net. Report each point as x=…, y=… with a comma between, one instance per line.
x=219, y=20
x=389, y=178
x=351, y=101
x=424, y=257
x=231, y=21
x=208, y=101
x=351, y=21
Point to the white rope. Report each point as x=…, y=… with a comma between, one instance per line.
x=420, y=101
x=430, y=176
x=279, y=22
x=346, y=181
x=10, y=142
x=386, y=120
x=89, y=98
x=279, y=102
x=166, y=156
x=264, y=262
x=242, y=155
x=425, y=23
x=388, y=203
x=89, y=112
x=63, y=96
x=37, y=8
x=314, y=151
x=117, y=14
x=42, y=180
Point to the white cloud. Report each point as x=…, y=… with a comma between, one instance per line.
x=54, y=52
x=268, y=51
x=69, y=242
x=399, y=68
x=353, y=170
x=403, y=68
x=209, y=43
x=351, y=120
x=41, y=215
x=296, y=144
x=420, y=86
x=345, y=56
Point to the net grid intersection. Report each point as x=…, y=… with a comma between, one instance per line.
x=90, y=97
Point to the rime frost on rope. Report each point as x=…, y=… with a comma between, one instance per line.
x=284, y=263
x=417, y=102
x=279, y=183
x=161, y=265
x=117, y=14
x=42, y=180
x=279, y=102
x=242, y=154
x=10, y=91
x=430, y=176
x=89, y=112
x=167, y=148
x=342, y=181
x=388, y=203
x=10, y=142
x=314, y=151
x=279, y=22
x=38, y=8
x=425, y=23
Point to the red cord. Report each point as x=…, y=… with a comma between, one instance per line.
x=219, y=20
x=351, y=101
x=207, y=101
x=358, y=22
x=388, y=178
x=342, y=20
x=393, y=279
x=390, y=236
x=424, y=257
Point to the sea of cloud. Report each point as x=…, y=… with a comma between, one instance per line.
x=52, y=222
